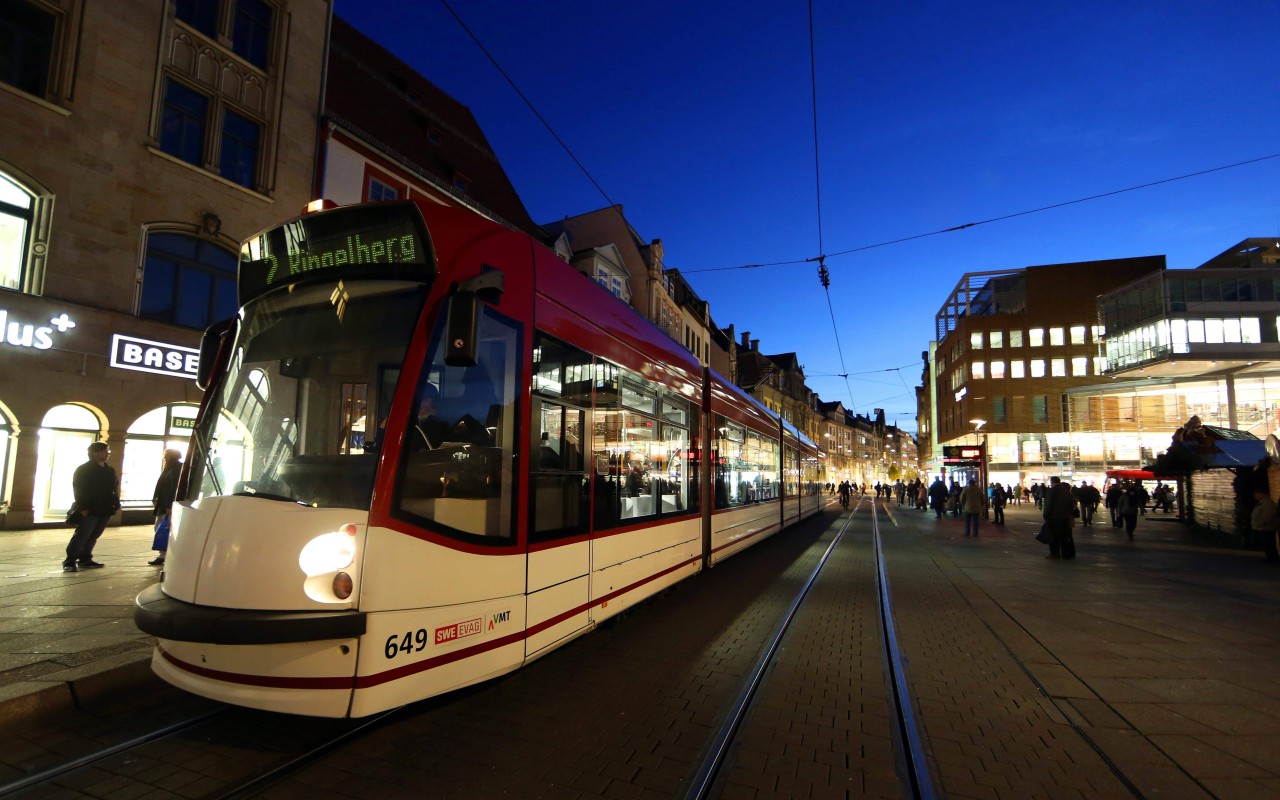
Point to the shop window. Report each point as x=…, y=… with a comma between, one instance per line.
x=165, y=428
x=61, y=444
x=187, y=281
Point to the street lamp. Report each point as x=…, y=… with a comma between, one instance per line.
x=982, y=467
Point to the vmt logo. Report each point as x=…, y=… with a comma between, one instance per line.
x=499, y=618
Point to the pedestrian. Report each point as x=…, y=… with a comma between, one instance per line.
x=973, y=499
x=1059, y=514
x=97, y=497
x=162, y=501
x=1127, y=507
x=998, y=497
x=1263, y=522
x=938, y=497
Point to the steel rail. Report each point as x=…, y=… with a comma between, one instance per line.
x=92, y=758
x=705, y=778
x=913, y=745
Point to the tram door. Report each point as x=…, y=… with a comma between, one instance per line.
x=559, y=567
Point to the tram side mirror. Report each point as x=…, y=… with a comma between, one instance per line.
x=460, y=330
x=463, y=315
x=210, y=343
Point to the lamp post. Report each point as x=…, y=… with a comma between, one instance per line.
x=982, y=444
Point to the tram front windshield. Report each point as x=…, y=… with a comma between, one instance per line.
x=297, y=415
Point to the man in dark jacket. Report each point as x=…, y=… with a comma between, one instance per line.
x=1059, y=513
x=938, y=497
x=97, y=494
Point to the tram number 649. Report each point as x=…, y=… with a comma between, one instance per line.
x=410, y=642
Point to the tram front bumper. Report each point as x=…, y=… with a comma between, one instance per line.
x=162, y=616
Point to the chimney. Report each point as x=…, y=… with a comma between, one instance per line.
x=755, y=344
x=746, y=339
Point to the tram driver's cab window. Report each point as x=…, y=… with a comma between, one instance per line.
x=456, y=455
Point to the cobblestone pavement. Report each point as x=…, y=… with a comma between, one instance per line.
x=1138, y=670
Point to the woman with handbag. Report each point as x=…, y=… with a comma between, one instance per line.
x=166, y=488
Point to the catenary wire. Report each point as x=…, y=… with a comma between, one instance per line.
x=527, y=102
x=967, y=225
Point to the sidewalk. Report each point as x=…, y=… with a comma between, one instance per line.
x=67, y=639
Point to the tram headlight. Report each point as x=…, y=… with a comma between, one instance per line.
x=328, y=552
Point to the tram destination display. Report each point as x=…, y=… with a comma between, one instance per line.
x=382, y=240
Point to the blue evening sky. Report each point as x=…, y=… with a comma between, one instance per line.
x=697, y=117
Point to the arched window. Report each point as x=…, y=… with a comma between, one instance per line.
x=17, y=211
x=187, y=281
x=160, y=429
x=65, y=434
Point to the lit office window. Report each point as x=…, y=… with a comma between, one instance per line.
x=1251, y=330
x=1178, y=336
x=1015, y=338
x=1099, y=365
x=975, y=340
x=1037, y=337
x=979, y=370
x=996, y=338
x=1057, y=337
x=1098, y=332
x=1195, y=331
x=997, y=370
x=1018, y=370
x=1080, y=366
x=1231, y=330
x=1058, y=367
x=1077, y=334
x=1037, y=367
x=1214, y=332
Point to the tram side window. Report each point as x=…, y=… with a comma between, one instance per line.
x=559, y=500
x=456, y=461
x=746, y=465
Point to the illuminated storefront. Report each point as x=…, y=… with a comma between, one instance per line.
x=72, y=375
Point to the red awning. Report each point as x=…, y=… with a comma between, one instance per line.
x=1139, y=475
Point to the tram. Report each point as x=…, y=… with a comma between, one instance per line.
x=430, y=452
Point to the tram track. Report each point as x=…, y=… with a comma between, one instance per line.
x=911, y=751
x=214, y=738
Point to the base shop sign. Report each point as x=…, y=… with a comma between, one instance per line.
x=144, y=355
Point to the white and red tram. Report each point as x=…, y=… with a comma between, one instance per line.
x=429, y=452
